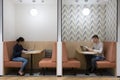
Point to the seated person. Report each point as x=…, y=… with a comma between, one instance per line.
x=17, y=51
x=91, y=59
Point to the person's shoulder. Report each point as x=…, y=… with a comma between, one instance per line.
x=16, y=45
x=101, y=43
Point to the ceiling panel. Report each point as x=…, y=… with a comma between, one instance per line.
x=34, y=1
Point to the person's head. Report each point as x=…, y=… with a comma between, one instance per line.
x=95, y=38
x=20, y=40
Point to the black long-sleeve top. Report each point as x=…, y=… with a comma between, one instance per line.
x=17, y=50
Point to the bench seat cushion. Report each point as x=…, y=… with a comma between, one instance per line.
x=71, y=63
x=12, y=64
x=105, y=64
x=47, y=63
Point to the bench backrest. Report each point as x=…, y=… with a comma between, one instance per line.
x=64, y=52
x=54, y=52
x=8, y=50
x=110, y=51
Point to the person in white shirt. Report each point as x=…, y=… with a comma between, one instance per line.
x=91, y=59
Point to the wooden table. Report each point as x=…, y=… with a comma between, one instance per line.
x=32, y=52
x=85, y=52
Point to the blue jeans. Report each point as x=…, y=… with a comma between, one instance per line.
x=23, y=60
x=93, y=61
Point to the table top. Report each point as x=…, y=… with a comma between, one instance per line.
x=33, y=51
x=85, y=52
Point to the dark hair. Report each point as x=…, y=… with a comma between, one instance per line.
x=95, y=36
x=20, y=39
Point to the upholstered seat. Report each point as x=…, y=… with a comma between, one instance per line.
x=49, y=62
x=110, y=56
x=71, y=63
x=105, y=64
x=68, y=63
x=8, y=50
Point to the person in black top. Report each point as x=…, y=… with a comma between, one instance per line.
x=17, y=51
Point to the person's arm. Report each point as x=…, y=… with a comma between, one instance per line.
x=100, y=50
x=95, y=50
x=23, y=49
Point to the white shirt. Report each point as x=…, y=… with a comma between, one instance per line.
x=98, y=47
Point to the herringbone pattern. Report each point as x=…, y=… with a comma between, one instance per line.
x=101, y=21
x=111, y=20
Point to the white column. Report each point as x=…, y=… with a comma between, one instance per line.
x=118, y=43
x=59, y=58
x=1, y=45
x=59, y=43
x=118, y=59
x=1, y=58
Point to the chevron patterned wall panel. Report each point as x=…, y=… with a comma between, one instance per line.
x=101, y=21
x=111, y=21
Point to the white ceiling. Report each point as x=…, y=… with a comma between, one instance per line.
x=31, y=1
x=64, y=1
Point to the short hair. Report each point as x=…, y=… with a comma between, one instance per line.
x=95, y=36
x=20, y=39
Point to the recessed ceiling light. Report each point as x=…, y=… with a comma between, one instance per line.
x=33, y=1
x=42, y=1
x=86, y=0
x=20, y=1
x=76, y=0
x=34, y=12
x=86, y=11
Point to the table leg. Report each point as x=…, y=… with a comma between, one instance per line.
x=31, y=67
x=88, y=63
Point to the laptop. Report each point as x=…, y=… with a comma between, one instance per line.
x=83, y=48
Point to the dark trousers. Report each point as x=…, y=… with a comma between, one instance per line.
x=91, y=62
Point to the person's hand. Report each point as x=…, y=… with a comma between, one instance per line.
x=23, y=51
x=89, y=49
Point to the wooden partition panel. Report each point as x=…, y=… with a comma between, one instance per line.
x=37, y=45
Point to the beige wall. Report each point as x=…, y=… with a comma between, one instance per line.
x=42, y=27
x=19, y=22
x=9, y=20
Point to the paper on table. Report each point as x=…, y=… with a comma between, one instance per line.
x=32, y=52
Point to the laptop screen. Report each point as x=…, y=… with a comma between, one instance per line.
x=83, y=48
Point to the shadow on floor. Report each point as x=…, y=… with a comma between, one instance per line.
x=66, y=72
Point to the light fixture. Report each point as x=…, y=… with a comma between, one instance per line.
x=76, y=1
x=20, y=1
x=34, y=12
x=86, y=11
x=86, y=0
x=42, y=1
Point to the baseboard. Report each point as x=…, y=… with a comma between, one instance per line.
x=59, y=75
